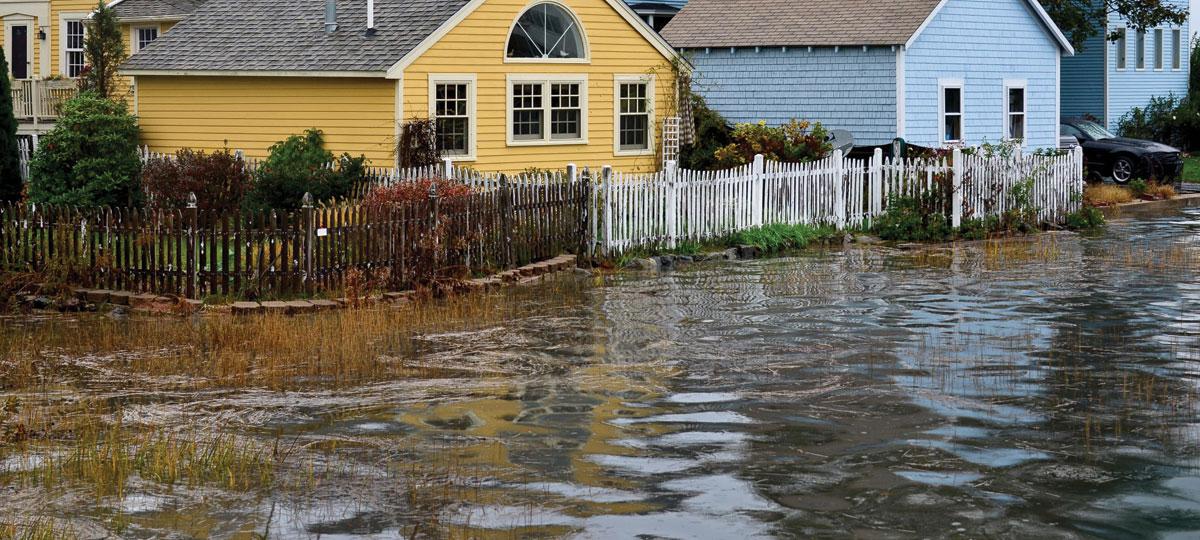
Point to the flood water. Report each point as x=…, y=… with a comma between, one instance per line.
x=1039, y=388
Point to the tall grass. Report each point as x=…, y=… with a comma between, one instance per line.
x=779, y=237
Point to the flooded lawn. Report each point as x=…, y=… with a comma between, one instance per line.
x=1042, y=387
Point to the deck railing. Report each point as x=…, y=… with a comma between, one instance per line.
x=41, y=100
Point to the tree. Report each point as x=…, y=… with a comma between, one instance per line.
x=90, y=158
x=300, y=164
x=1083, y=19
x=1194, y=80
x=10, y=161
x=104, y=50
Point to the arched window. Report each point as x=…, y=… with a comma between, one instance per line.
x=546, y=31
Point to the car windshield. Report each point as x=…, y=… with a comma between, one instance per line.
x=1095, y=131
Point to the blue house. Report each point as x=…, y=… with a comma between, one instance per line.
x=934, y=72
x=1109, y=77
x=656, y=13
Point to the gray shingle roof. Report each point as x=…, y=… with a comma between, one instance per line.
x=164, y=9
x=752, y=23
x=289, y=35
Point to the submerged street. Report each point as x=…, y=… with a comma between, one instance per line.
x=1043, y=386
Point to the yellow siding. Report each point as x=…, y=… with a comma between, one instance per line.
x=35, y=70
x=124, y=90
x=57, y=39
x=476, y=46
x=252, y=113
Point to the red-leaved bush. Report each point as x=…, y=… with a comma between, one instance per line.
x=438, y=261
x=451, y=194
x=219, y=180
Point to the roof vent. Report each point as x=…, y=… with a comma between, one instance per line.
x=370, y=17
x=330, y=16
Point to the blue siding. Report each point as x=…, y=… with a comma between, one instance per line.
x=983, y=42
x=1083, y=80
x=849, y=89
x=1131, y=87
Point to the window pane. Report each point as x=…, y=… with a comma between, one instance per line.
x=527, y=112
x=564, y=124
x=953, y=100
x=1016, y=100
x=1016, y=126
x=1158, y=48
x=1122, y=49
x=1141, y=50
x=635, y=130
x=634, y=126
x=565, y=113
x=1176, y=48
x=545, y=31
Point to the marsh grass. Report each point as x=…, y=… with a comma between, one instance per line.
x=1106, y=195
x=34, y=529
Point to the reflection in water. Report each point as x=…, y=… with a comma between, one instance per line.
x=1035, y=388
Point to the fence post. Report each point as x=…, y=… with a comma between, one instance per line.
x=447, y=168
x=306, y=208
x=877, y=183
x=192, y=218
x=1080, y=180
x=839, y=188
x=606, y=187
x=506, y=219
x=672, y=178
x=759, y=193
x=956, y=197
x=435, y=228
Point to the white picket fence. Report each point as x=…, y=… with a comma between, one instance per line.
x=663, y=209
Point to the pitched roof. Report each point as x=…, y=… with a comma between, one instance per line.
x=753, y=23
x=290, y=36
x=154, y=9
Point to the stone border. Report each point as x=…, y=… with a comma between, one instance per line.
x=160, y=304
x=1137, y=207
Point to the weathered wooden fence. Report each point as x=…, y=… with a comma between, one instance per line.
x=661, y=209
x=196, y=253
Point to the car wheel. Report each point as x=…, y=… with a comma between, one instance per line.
x=1122, y=169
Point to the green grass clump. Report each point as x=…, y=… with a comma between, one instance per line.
x=1088, y=218
x=1191, y=168
x=778, y=237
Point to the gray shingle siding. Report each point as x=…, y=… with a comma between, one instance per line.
x=269, y=35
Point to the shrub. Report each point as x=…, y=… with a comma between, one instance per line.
x=90, y=158
x=1138, y=187
x=1106, y=195
x=219, y=180
x=419, y=145
x=1169, y=120
x=451, y=194
x=298, y=165
x=1087, y=218
x=1158, y=191
x=914, y=219
x=712, y=134
x=795, y=141
x=11, y=184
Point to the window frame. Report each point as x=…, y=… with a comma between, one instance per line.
x=587, y=49
x=1009, y=86
x=471, y=81
x=1177, y=49
x=135, y=44
x=650, y=81
x=1160, y=41
x=64, y=20
x=943, y=85
x=1122, y=44
x=546, y=80
x=1140, y=47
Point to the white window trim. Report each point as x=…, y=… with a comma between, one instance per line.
x=31, y=28
x=587, y=49
x=472, y=118
x=546, y=80
x=649, y=80
x=135, y=30
x=63, y=19
x=1122, y=45
x=1178, y=49
x=1023, y=85
x=943, y=85
x=1160, y=45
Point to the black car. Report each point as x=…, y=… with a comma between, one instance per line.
x=1120, y=158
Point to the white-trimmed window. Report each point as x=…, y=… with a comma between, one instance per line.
x=546, y=31
x=1014, y=110
x=452, y=108
x=73, y=58
x=634, y=120
x=547, y=109
x=143, y=35
x=1176, y=49
x=1158, y=48
x=1141, y=50
x=950, y=101
x=1122, y=48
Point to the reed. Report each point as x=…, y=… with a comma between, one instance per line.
x=1106, y=195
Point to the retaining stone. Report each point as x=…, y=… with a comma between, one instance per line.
x=273, y=306
x=120, y=298
x=323, y=305
x=142, y=300
x=247, y=308
x=98, y=296
x=300, y=306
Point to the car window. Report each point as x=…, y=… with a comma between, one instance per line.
x=1069, y=131
x=1094, y=131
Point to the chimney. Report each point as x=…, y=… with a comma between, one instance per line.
x=370, y=17
x=330, y=16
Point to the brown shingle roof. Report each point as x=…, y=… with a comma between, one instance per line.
x=754, y=23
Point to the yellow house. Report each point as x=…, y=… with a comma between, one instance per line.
x=43, y=46
x=509, y=84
